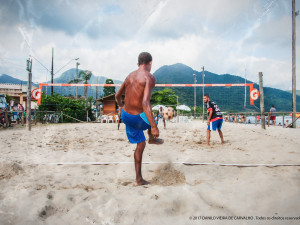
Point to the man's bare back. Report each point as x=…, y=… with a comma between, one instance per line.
x=135, y=85
x=138, y=90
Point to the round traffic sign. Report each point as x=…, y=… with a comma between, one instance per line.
x=254, y=94
x=36, y=93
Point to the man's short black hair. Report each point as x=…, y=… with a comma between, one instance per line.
x=207, y=95
x=272, y=106
x=144, y=58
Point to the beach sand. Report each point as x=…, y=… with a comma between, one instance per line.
x=35, y=189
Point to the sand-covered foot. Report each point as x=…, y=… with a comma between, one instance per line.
x=156, y=141
x=142, y=182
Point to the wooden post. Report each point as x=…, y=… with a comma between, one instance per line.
x=245, y=118
x=262, y=103
x=22, y=117
x=61, y=116
x=283, y=120
x=268, y=119
x=87, y=116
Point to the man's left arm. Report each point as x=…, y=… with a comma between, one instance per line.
x=150, y=84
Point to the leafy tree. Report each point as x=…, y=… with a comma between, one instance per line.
x=164, y=97
x=84, y=76
x=109, y=90
x=70, y=107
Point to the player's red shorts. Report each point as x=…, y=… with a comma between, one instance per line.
x=273, y=118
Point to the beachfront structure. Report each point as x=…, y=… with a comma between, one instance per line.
x=109, y=105
x=16, y=91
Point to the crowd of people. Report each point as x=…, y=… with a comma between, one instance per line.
x=12, y=113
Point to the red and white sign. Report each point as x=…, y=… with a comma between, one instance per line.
x=36, y=94
x=254, y=94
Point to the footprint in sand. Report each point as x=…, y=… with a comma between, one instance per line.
x=47, y=211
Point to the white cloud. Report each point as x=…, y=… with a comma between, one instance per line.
x=225, y=36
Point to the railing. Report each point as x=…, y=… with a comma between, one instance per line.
x=282, y=118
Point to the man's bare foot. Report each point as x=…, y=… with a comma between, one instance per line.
x=142, y=182
x=156, y=141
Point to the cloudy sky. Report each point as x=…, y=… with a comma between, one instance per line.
x=225, y=36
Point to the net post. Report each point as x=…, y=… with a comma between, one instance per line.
x=262, y=104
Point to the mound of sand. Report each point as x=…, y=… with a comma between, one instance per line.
x=167, y=175
x=8, y=170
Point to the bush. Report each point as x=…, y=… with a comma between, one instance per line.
x=71, y=107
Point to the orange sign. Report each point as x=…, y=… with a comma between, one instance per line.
x=254, y=94
x=36, y=94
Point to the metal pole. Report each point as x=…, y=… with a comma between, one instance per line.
x=194, y=95
x=97, y=89
x=77, y=64
x=262, y=104
x=294, y=62
x=28, y=102
x=177, y=111
x=52, y=73
x=245, y=91
x=203, y=94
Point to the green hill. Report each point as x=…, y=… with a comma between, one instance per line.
x=228, y=98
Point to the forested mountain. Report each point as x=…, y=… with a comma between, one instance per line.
x=228, y=98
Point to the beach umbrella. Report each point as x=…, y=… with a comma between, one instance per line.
x=157, y=107
x=183, y=107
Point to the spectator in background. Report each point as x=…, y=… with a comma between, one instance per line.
x=21, y=110
x=8, y=116
x=232, y=117
x=3, y=117
x=273, y=114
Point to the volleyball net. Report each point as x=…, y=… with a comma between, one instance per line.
x=224, y=95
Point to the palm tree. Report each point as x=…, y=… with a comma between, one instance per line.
x=86, y=76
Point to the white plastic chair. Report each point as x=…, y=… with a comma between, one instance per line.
x=110, y=118
x=117, y=118
x=104, y=118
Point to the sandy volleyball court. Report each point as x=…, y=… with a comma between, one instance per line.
x=34, y=189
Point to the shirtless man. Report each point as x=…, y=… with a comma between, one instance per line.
x=137, y=113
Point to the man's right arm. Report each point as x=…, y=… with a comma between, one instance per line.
x=150, y=84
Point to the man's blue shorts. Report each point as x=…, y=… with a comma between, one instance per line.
x=217, y=124
x=135, y=125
